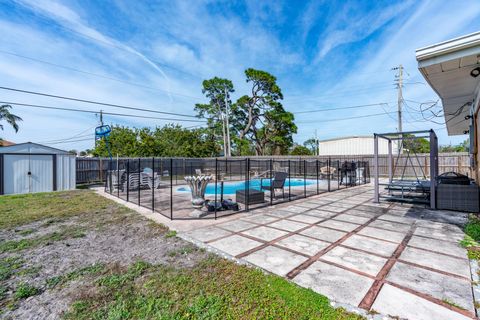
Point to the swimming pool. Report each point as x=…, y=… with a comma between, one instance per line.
x=232, y=187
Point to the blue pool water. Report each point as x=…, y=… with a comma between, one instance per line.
x=232, y=187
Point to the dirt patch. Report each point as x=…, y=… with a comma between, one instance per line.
x=112, y=237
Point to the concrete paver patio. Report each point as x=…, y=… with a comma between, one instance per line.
x=394, y=259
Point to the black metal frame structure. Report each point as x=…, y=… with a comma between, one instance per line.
x=415, y=191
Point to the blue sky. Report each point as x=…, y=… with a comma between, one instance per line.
x=154, y=54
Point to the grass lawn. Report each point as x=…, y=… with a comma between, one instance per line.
x=128, y=268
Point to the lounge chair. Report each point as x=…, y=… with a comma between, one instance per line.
x=278, y=182
x=115, y=179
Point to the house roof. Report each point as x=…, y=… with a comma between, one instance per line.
x=6, y=143
x=30, y=147
x=446, y=66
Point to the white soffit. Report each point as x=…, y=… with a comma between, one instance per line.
x=446, y=66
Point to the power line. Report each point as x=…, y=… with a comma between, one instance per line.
x=95, y=102
x=96, y=112
x=97, y=75
x=342, y=108
x=348, y=118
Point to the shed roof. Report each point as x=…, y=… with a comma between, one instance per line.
x=345, y=138
x=30, y=147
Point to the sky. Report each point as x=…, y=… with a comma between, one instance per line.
x=154, y=55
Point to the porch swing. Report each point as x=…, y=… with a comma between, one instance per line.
x=404, y=187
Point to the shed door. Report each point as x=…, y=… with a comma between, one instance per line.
x=28, y=173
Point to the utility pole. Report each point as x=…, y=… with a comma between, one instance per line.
x=317, y=151
x=399, y=81
x=228, y=153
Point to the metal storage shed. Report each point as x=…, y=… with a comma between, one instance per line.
x=31, y=167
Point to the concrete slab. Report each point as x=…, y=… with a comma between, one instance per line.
x=234, y=245
x=395, y=218
x=296, y=209
x=357, y=260
x=440, y=246
x=339, y=225
x=280, y=213
x=434, y=284
x=265, y=233
x=352, y=218
x=371, y=245
x=288, y=225
x=208, y=234
x=437, y=261
x=261, y=219
x=303, y=244
x=383, y=234
x=396, y=302
x=308, y=204
x=237, y=225
x=329, y=207
x=320, y=213
x=306, y=218
x=389, y=225
x=275, y=260
x=361, y=213
x=324, y=234
x=338, y=284
x=342, y=204
x=439, y=234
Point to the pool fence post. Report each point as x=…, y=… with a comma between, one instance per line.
x=128, y=179
x=272, y=192
x=304, y=178
x=139, y=181
x=216, y=184
x=153, y=184
x=171, y=188
x=247, y=185
x=289, y=185
x=316, y=166
x=328, y=173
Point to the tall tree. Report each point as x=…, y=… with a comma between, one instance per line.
x=311, y=144
x=261, y=118
x=10, y=118
x=218, y=91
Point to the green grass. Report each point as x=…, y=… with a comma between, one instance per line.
x=22, y=244
x=171, y=234
x=472, y=228
x=25, y=290
x=8, y=267
x=73, y=275
x=472, y=237
x=17, y=210
x=215, y=289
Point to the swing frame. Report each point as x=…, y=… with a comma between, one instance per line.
x=424, y=186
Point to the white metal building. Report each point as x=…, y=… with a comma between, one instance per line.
x=30, y=167
x=355, y=145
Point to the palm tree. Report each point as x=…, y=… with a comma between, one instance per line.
x=6, y=115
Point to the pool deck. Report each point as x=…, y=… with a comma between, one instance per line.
x=392, y=259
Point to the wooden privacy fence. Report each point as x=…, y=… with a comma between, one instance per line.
x=91, y=170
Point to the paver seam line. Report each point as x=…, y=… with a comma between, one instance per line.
x=383, y=281
x=375, y=238
x=284, y=237
x=430, y=238
x=446, y=273
x=438, y=252
x=433, y=299
x=338, y=265
x=293, y=273
x=374, y=290
x=364, y=251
